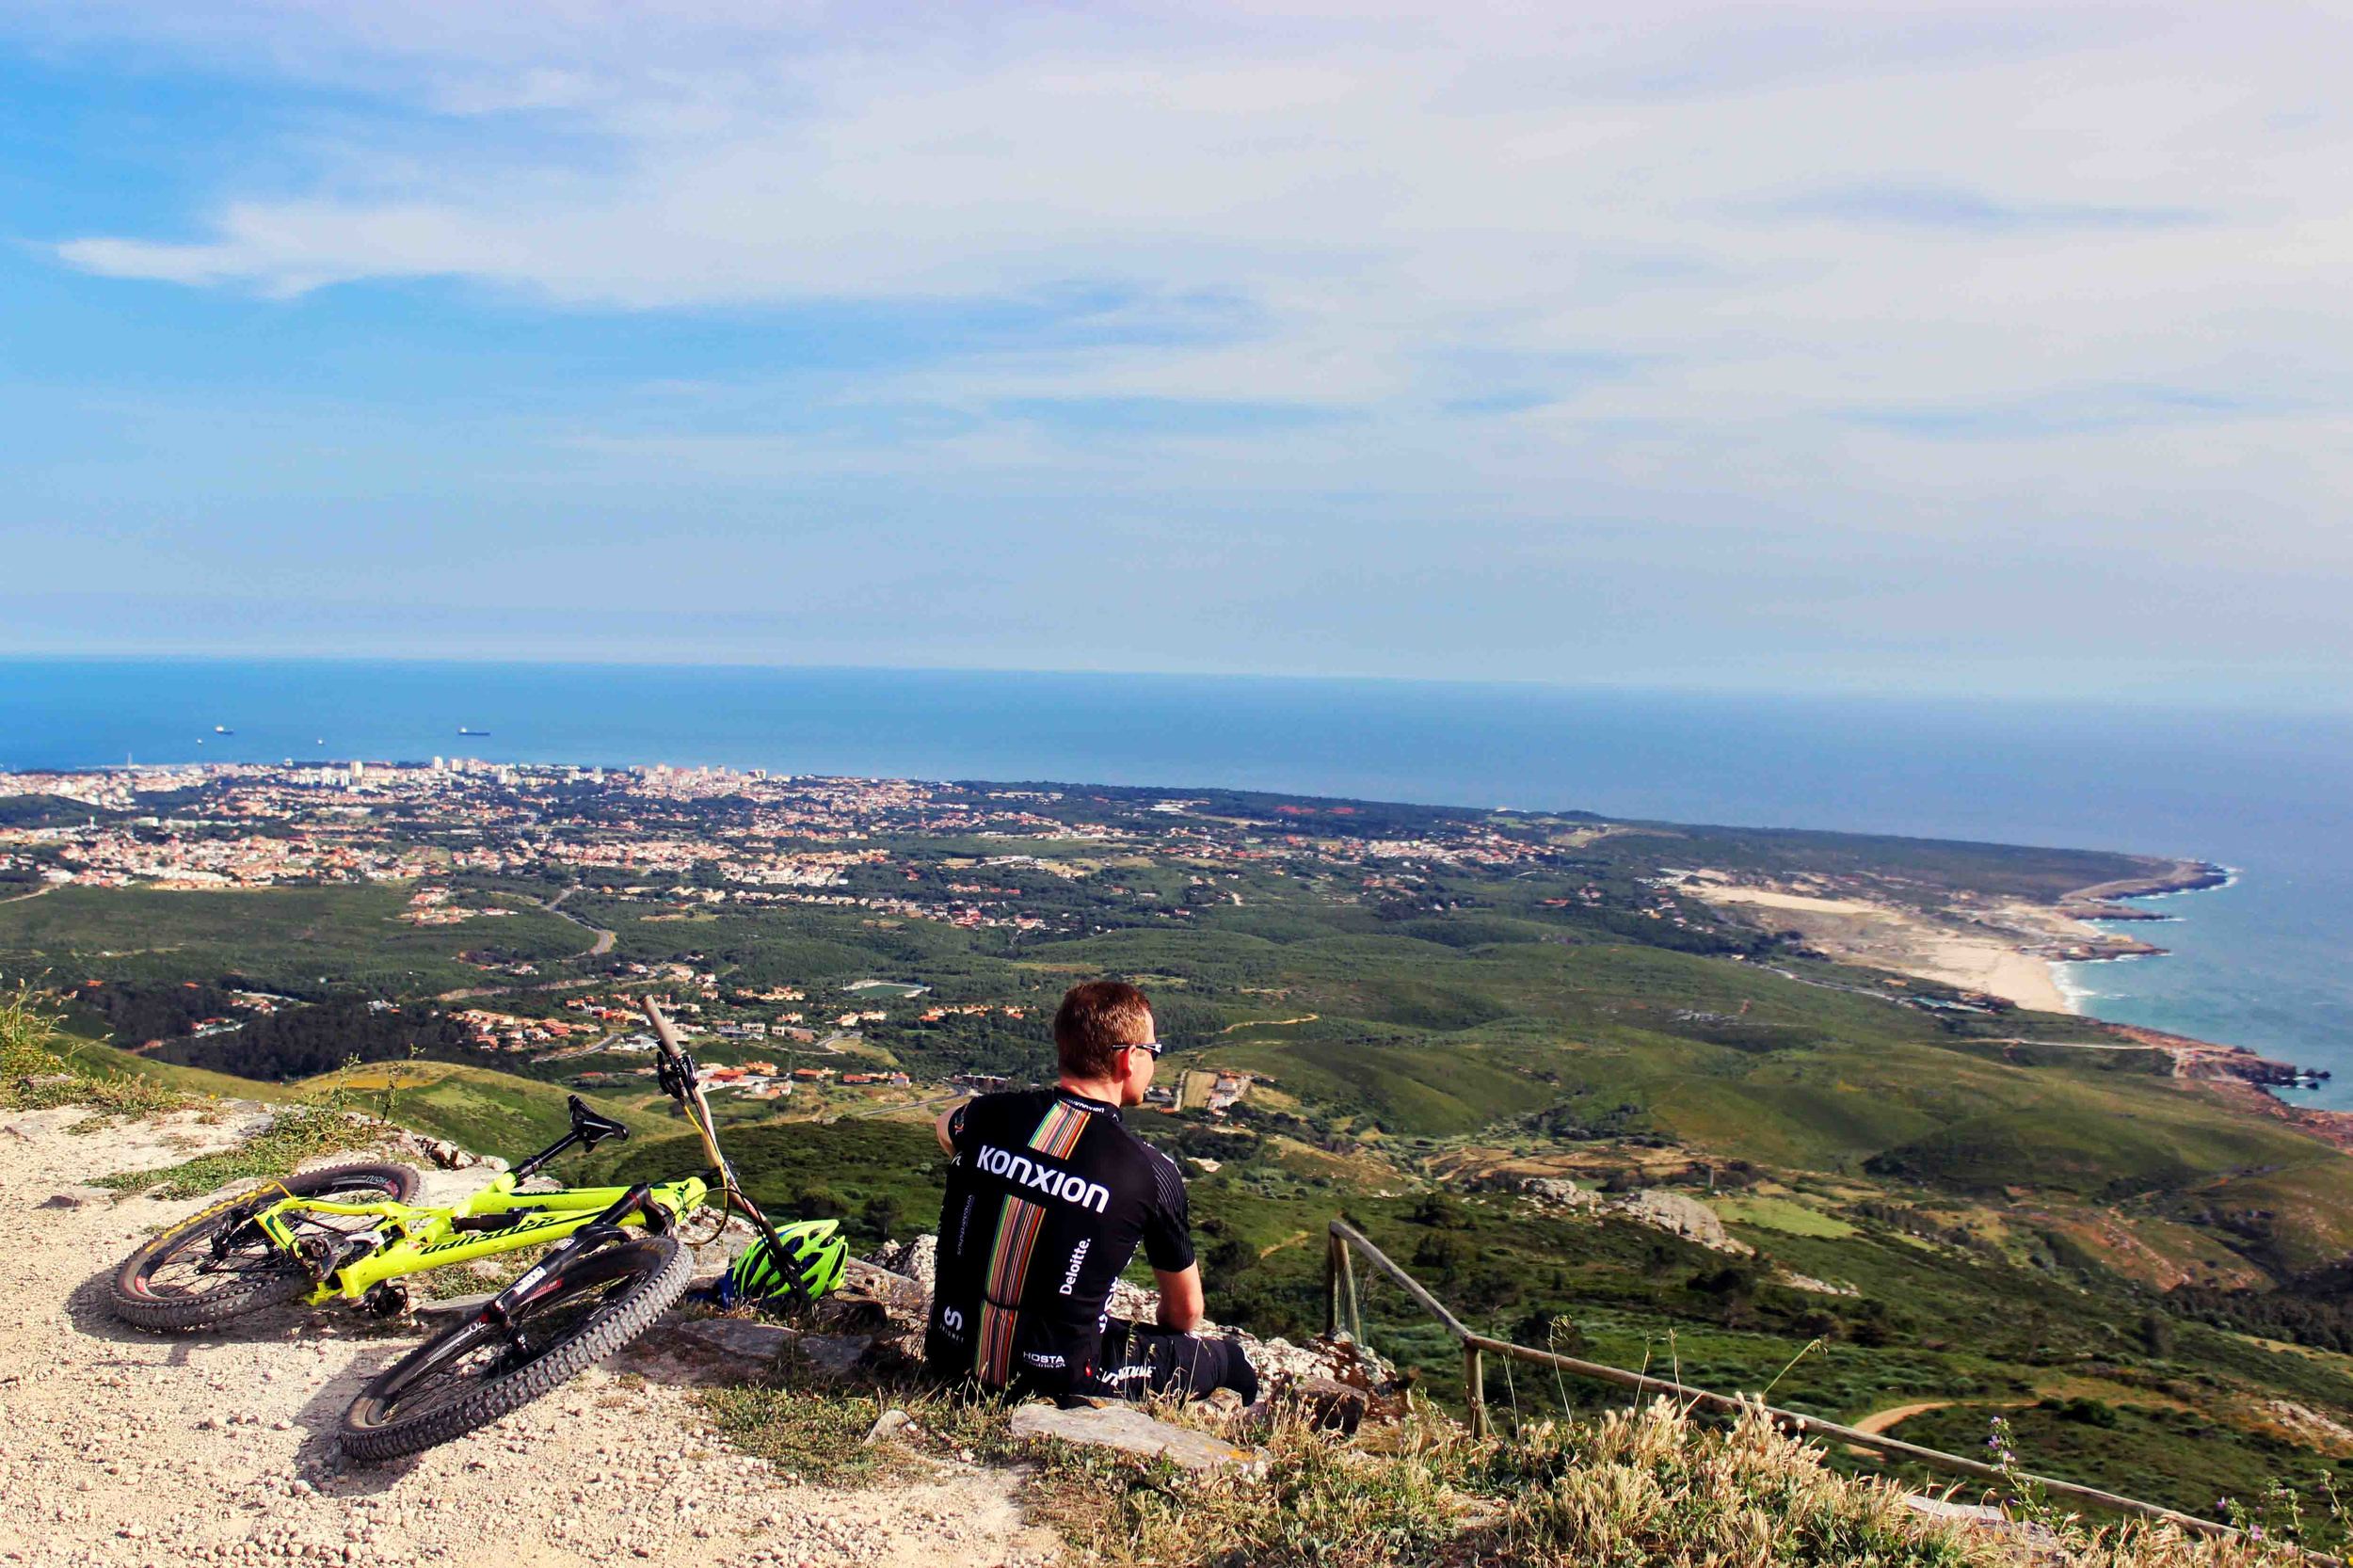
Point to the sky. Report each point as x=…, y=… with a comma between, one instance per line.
x=1981, y=348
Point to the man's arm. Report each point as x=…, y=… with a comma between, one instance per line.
x=1180, y=1298
x=1168, y=1247
x=946, y=1129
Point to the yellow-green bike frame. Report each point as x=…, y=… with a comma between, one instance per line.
x=410, y=1238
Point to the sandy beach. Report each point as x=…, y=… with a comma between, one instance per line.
x=1975, y=958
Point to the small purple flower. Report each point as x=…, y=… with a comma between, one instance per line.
x=2254, y=1532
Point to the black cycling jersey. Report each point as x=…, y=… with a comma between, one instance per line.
x=1048, y=1195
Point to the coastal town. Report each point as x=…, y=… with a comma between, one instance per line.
x=804, y=929
x=700, y=837
x=482, y=855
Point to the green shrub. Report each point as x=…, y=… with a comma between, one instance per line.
x=39, y=1069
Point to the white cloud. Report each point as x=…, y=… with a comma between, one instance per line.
x=2030, y=276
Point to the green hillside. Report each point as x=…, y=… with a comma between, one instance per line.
x=817, y=1170
x=476, y=1108
x=298, y=941
x=100, y=1058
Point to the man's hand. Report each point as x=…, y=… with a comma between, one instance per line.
x=1180, y=1298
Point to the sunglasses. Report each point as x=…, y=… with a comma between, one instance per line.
x=1154, y=1047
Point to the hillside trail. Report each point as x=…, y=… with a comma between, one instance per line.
x=1880, y=1420
x=133, y=1450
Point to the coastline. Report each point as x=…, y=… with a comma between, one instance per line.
x=2092, y=907
x=2015, y=949
x=1975, y=957
x=2028, y=953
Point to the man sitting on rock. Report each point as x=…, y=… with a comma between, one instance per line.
x=1048, y=1195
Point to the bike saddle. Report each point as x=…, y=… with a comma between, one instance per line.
x=592, y=1129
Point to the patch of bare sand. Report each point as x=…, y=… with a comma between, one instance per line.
x=1975, y=957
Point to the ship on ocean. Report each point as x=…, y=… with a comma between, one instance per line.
x=463, y=730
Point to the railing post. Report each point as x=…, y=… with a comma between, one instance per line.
x=1348, y=1293
x=1475, y=1387
x=1335, y=1260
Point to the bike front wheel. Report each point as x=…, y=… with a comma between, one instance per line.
x=217, y=1265
x=468, y=1376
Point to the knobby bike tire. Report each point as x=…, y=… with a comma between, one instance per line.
x=146, y=1292
x=640, y=1279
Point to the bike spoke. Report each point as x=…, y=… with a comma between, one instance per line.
x=230, y=1258
x=540, y=1327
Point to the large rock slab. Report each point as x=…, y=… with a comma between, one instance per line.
x=1680, y=1215
x=705, y=1351
x=1129, y=1430
x=727, y=1350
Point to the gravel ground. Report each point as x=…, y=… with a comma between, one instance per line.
x=122, y=1447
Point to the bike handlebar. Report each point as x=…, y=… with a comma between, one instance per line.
x=697, y=1109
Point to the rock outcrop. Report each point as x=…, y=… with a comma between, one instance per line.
x=1657, y=1206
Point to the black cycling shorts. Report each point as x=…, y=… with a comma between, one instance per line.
x=1140, y=1360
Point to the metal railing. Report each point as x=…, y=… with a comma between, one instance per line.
x=1342, y=1314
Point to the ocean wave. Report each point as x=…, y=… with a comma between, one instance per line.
x=2077, y=994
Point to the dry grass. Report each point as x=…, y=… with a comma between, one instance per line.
x=817, y=1434
x=1650, y=1486
x=1632, y=1488
x=1640, y=1487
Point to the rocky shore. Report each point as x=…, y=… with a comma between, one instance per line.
x=2205, y=1060
x=2104, y=900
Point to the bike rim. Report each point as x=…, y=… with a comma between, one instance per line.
x=197, y=1267
x=441, y=1374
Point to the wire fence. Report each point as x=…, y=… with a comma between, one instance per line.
x=1346, y=1292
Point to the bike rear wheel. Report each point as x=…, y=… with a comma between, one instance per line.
x=467, y=1377
x=216, y=1265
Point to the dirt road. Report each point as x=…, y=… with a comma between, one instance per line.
x=604, y=939
x=124, y=1449
x=1880, y=1420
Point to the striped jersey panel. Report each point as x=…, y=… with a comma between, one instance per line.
x=1018, y=1226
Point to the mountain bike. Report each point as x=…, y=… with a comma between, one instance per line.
x=351, y=1233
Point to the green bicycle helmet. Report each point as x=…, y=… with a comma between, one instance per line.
x=814, y=1252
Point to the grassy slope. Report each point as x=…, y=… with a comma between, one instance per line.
x=479, y=1108
x=2163, y=1454
x=293, y=940
x=782, y=1163
x=98, y=1058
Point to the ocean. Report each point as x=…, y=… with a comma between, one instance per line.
x=2261, y=963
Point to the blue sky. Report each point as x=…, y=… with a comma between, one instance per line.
x=1994, y=348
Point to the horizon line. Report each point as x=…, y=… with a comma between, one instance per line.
x=2273, y=701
